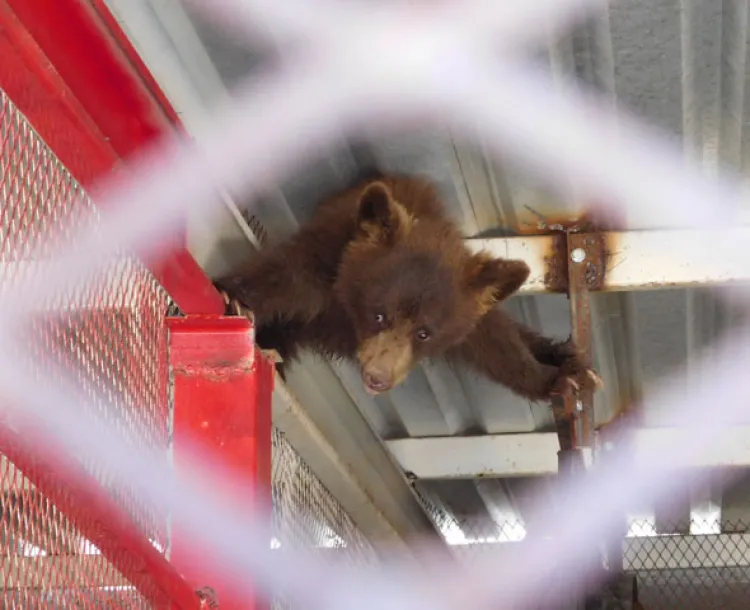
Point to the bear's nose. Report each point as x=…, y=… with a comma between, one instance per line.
x=376, y=381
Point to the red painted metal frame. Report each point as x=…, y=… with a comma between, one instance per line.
x=222, y=388
x=70, y=70
x=62, y=479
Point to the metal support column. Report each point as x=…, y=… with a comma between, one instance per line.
x=585, y=272
x=586, y=267
x=222, y=387
x=571, y=465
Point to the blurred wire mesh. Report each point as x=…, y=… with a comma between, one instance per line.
x=690, y=564
x=309, y=519
x=108, y=335
x=690, y=571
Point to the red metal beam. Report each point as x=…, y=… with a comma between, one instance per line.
x=132, y=56
x=69, y=69
x=222, y=388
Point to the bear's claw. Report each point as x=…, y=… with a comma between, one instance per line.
x=233, y=306
x=570, y=383
x=598, y=381
x=564, y=386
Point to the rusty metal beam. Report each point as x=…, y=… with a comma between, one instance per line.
x=585, y=258
x=636, y=260
x=577, y=264
x=586, y=273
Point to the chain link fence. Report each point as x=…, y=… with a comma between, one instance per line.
x=306, y=516
x=465, y=526
x=692, y=564
x=697, y=571
x=470, y=535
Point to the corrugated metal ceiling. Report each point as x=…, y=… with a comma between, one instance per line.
x=679, y=65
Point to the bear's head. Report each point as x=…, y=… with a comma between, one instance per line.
x=412, y=289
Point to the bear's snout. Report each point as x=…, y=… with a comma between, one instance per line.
x=377, y=381
x=386, y=360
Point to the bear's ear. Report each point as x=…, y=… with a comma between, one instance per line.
x=494, y=279
x=380, y=217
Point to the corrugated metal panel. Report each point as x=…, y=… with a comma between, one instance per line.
x=679, y=65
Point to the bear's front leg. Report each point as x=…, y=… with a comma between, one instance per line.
x=573, y=375
x=530, y=365
x=277, y=287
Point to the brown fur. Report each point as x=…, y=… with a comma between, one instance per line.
x=381, y=276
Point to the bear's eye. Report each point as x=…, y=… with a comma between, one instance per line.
x=423, y=335
x=379, y=318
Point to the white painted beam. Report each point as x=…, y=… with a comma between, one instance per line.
x=527, y=455
x=641, y=260
x=533, y=250
x=449, y=457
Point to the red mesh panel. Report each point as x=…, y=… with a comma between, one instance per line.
x=110, y=337
x=47, y=563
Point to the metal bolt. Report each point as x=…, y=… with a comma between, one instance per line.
x=578, y=255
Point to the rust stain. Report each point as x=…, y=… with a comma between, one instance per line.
x=625, y=416
x=591, y=223
x=597, y=256
x=556, y=268
x=594, y=220
x=564, y=423
x=217, y=371
x=586, y=273
x=589, y=232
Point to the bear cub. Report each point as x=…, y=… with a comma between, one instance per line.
x=381, y=276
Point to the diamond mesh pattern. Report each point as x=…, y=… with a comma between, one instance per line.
x=693, y=572
x=306, y=516
x=466, y=528
x=108, y=336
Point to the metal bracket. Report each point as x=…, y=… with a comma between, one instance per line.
x=584, y=262
x=586, y=267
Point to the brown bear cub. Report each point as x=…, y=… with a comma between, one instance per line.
x=381, y=276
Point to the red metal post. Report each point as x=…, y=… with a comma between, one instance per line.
x=222, y=387
x=83, y=88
